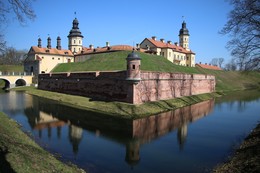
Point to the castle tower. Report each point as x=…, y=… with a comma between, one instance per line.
x=58, y=43
x=49, y=43
x=133, y=67
x=75, y=37
x=39, y=42
x=184, y=36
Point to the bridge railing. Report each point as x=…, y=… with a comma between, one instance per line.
x=15, y=73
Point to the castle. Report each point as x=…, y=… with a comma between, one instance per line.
x=43, y=59
x=132, y=85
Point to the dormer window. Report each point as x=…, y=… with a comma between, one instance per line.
x=47, y=50
x=66, y=53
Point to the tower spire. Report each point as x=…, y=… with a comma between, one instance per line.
x=75, y=37
x=184, y=36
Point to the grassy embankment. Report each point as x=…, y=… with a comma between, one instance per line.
x=226, y=80
x=11, y=68
x=19, y=153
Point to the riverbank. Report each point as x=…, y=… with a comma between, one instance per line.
x=246, y=158
x=19, y=153
x=119, y=109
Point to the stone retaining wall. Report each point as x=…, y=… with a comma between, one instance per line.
x=113, y=86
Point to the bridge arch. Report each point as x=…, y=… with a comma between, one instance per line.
x=7, y=84
x=20, y=82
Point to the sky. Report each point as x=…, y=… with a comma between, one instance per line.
x=126, y=22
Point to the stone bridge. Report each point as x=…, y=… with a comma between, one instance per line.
x=15, y=79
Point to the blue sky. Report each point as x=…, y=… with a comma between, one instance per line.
x=126, y=22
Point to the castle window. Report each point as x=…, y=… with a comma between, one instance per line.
x=58, y=58
x=187, y=58
x=42, y=57
x=74, y=41
x=79, y=42
x=53, y=58
x=133, y=66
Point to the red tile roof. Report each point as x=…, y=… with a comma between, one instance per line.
x=53, y=51
x=114, y=48
x=211, y=67
x=161, y=44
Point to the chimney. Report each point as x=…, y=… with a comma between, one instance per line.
x=162, y=40
x=107, y=44
x=154, y=38
x=58, y=43
x=169, y=42
x=49, y=43
x=91, y=46
x=39, y=42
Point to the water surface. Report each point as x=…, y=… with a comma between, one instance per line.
x=190, y=139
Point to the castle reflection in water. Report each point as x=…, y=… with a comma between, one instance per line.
x=133, y=134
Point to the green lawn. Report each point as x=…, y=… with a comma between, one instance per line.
x=117, y=61
x=11, y=68
x=226, y=80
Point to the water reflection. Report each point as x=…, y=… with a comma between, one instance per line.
x=46, y=114
x=101, y=143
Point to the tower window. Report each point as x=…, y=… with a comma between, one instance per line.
x=74, y=41
x=133, y=66
x=79, y=42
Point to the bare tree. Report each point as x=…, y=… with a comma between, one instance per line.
x=243, y=26
x=231, y=66
x=20, y=8
x=217, y=61
x=220, y=62
x=11, y=56
x=214, y=61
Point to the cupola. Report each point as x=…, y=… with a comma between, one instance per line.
x=133, y=67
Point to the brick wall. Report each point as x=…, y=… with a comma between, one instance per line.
x=113, y=86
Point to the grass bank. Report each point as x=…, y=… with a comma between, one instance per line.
x=120, y=109
x=11, y=68
x=226, y=80
x=19, y=153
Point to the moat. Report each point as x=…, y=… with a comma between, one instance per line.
x=191, y=139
